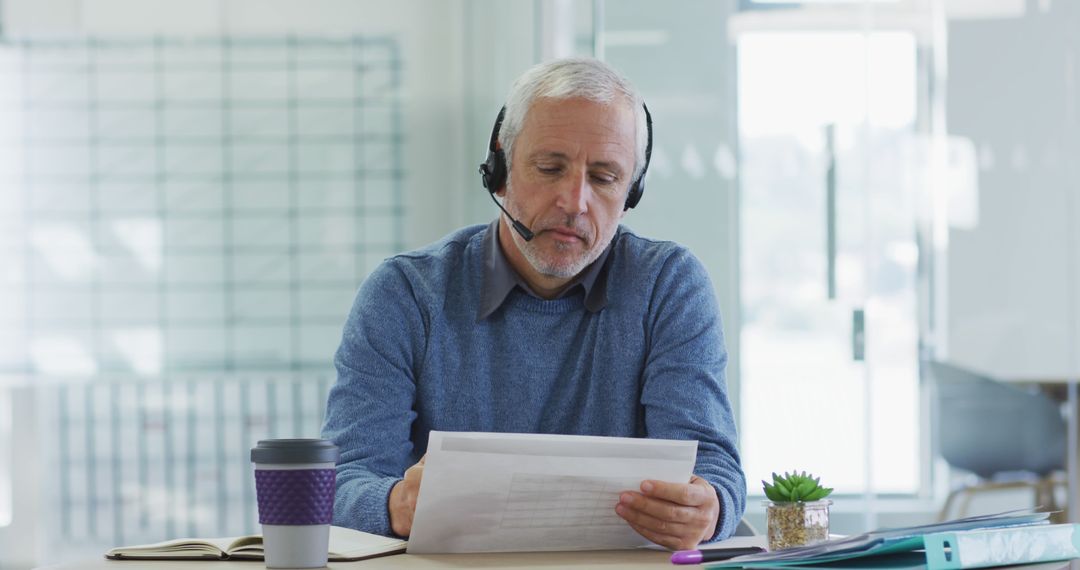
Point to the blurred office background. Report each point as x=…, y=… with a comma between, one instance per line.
x=190, y=193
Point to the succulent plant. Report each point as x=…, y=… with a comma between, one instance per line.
x=795, y=487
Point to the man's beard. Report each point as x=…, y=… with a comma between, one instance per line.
x=561, y=268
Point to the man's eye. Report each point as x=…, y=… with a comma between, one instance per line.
x=604, y=180
x=549, y=169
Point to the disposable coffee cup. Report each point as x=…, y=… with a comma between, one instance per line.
x=294, y=485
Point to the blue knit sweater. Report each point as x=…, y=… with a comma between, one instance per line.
x=414, y=358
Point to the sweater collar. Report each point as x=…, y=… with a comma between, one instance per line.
x=500, y=278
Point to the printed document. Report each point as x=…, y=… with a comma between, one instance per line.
x=497, y=492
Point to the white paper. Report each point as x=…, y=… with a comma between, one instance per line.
x=493, y=492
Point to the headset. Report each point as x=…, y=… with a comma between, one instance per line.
x=493, y=171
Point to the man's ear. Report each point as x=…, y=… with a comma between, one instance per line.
x=501, y=192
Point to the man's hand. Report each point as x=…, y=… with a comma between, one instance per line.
x=403, y=499
x=676, y=515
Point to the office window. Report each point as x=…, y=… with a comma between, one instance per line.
x=830, y=182
x=183, y=226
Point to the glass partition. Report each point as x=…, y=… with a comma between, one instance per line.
x=1004, y=256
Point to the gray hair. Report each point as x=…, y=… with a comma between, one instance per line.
x=584, y=78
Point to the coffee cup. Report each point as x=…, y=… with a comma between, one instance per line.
x=294, y=487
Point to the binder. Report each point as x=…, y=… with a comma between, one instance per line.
x=975, y=542
x=1001, y=546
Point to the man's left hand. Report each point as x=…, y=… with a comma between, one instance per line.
x=676, y=515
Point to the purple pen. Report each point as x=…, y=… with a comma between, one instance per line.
x=712, y=554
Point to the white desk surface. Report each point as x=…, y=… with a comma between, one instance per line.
x=639, y=559
x=629, y=559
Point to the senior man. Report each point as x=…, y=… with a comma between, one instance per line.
x=553, y=318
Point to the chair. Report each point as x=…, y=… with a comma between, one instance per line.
x=995, y=430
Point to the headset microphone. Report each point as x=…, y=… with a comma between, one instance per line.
x=525, y=232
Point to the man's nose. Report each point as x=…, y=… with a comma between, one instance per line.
x=574, y=194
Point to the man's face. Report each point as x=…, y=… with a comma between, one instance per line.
x=572, y=166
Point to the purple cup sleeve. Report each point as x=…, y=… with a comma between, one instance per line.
x=295, y=497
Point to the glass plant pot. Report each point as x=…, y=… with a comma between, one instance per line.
x=797, y=524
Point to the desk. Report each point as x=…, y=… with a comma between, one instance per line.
x=628, y=559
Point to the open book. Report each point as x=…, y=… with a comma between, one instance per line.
x=346, y=545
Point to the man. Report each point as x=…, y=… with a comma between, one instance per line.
x=586, y=328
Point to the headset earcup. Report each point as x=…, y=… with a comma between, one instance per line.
x=493, y=170
x=485, y=173
x=495, y=178
x=637, y=190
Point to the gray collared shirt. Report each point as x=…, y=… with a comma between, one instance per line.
x=500, y=278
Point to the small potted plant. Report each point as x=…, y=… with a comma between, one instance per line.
x=797, y=511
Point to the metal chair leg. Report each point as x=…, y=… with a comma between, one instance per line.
x=944, y=514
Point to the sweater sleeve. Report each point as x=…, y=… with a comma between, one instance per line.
x=370, y=411
x=684, y=390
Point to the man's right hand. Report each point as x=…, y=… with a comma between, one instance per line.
x=403, y=499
